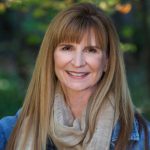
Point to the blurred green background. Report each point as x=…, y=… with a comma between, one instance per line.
x=22, y=27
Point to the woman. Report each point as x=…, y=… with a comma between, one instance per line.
x=78, y=97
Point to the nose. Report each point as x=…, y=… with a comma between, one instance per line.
x=78, y=59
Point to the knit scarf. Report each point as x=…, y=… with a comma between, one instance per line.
x=70, y=133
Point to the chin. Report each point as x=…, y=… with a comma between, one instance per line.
x=78, y=87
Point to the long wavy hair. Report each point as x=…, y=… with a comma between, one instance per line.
x=70, y=25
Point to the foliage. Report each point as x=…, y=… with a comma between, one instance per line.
x=23, y=24
x=12, y=90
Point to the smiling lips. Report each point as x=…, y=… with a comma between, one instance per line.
x=77, y=74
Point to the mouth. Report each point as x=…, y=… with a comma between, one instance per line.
x=77, y=74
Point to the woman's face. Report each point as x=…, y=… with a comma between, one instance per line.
x=79, y=66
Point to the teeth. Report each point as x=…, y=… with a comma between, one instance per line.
x=77, y=74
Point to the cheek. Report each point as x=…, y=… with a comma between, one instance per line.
x=58, y=64
x=60, y=60
x=98, y=69
x=97, y=64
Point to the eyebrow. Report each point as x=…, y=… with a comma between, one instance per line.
x=65, y=44
x=86, y=47
x=93, y=46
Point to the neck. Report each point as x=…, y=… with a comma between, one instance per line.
x=77, y=100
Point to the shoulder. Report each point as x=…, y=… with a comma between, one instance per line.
x=6, y=126
x=143, y=127
x=143, y=131
x=139, y=136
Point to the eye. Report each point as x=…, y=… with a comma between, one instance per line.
x=92, y=50
x=66, y=48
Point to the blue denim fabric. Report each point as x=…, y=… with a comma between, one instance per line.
x=6, y=126
x=136, y=139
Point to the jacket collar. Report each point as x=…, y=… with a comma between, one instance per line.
x=135, y=135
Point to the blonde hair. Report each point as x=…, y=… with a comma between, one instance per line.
x=70, y=25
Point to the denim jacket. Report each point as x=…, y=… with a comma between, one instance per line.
x=136, y=138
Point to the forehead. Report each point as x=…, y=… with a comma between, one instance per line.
x=87, y=38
